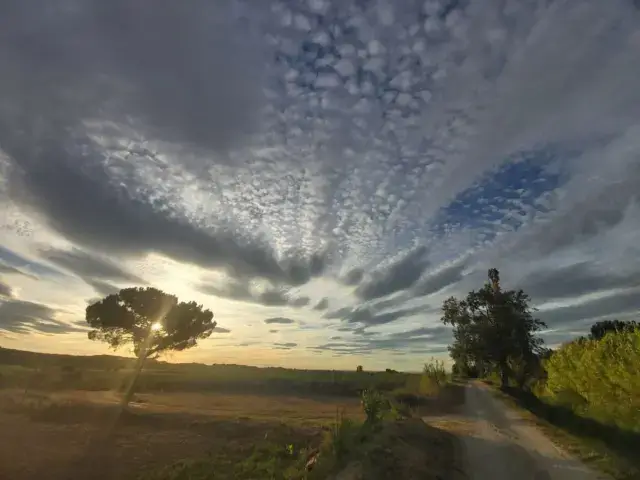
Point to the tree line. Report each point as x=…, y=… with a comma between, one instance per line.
x=495, y=330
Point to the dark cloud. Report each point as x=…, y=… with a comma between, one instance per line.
x=102, y=288
x=419, y=340
x=90, y=266
x=439, y=280
x=273, y=331
x=434, y=331
x=400, y=275
x=597, y=212
x=15, y=263
x=353, y=277
x=19, y=316
x=280, y=320
x=339, y=314
x=285, y=346
x=343, y=348
x=9, y=269
x=83, y=205
x=574, y=281
x=114, y=62
x=322, y=304
x=195, y=86
x=241, y=291
x=369, y=316
x=273, y=298
x=625, y=304
x=5, y=290
x=221, y=330
x=300, y=302
x=362, y=331
x=232, y=291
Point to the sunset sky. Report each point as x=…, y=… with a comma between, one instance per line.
x=320, y=174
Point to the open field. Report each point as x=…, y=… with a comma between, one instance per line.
x=67, y=434
x=205, y=422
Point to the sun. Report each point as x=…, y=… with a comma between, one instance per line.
x=156, y=326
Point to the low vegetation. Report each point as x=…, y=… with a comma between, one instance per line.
x=390, y=441
x=222, y=421
x=589, y=395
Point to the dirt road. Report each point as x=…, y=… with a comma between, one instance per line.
x=499, y=445
x=504, y=446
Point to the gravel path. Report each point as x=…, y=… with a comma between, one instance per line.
x=500, y=445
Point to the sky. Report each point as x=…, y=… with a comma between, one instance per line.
x=320, y=174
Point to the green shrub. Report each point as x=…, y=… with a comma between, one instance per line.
x=600, y=378
x=340, y=439
x=375, y=405
x=434, y=377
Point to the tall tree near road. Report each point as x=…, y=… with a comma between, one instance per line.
x=151, y=321
x=494, y=328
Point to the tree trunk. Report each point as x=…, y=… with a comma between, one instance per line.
x=131, y=388
x=504, y=375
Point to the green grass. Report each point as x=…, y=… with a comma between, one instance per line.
x=268, y=461
x=604, y=447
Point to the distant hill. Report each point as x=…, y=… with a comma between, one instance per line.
x=23, y=358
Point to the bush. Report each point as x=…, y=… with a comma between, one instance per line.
x=340, y=439
x=598, y=378
x=375, y=405
x=434, y=377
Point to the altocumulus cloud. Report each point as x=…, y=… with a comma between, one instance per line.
x=323, y=154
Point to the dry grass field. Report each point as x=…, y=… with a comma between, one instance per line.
x=73, y=435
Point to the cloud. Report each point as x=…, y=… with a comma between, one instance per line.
x=574, y=281
x=623, y=304
x=9, y=269
x=281, y=143
x=88, y=265
x=369, y=316
x=285, y=346
x=273, y=331
x=221, y=330
x=186, y=89
x=300, y=302
x=102, y=288
x=19, y=316
x=243, y=291
x=323, y=304
x=353, y=277
x=5, y=290
x=279, y=320
x=423, y=339
x=13, y=262
x=401, y=274
x=445, y=277
x=195, y=87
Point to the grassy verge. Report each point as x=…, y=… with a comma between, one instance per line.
x=607, y=448
x=392, y=442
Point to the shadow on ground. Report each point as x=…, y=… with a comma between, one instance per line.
x=623, y=443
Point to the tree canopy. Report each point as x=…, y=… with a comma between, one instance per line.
x=494, y=329
x=150, y=320
x=600, y=329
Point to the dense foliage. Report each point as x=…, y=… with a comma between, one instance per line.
x=600, y=329
x=150, y=320
x=598, y=378
x=494, y=329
